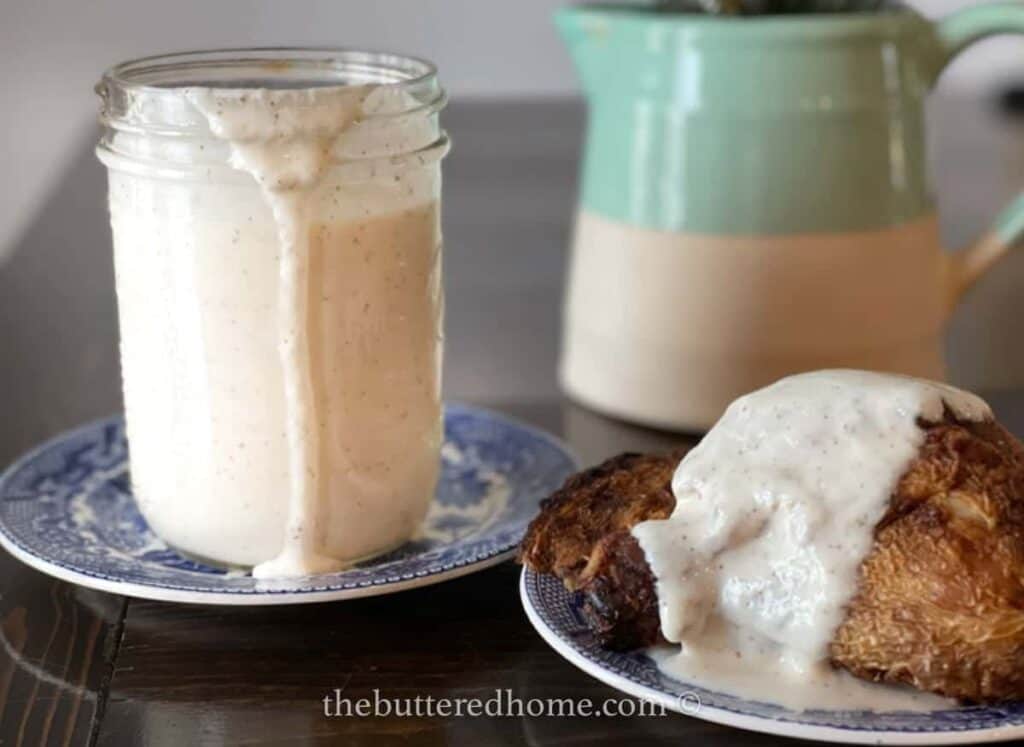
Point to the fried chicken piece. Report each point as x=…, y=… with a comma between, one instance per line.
x=940, y=598
x=620, y=602
x=613, y=496
x=582, y=536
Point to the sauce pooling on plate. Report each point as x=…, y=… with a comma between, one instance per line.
x=776, y=510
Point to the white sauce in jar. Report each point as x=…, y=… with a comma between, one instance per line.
x=281, y=339
x=776, y=510
x=284, y=139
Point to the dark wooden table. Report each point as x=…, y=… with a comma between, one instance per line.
x=83, y=667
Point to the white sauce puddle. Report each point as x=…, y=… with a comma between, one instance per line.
x=776, y=510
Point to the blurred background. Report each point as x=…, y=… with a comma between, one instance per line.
x=52, y=52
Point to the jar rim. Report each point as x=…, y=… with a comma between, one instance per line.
x=272, y=66
x=146, y=94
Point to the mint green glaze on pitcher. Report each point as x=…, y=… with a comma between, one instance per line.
x=755, y=202
x=765, y=125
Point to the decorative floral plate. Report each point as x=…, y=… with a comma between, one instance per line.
x=555, y=613
x=66, y=509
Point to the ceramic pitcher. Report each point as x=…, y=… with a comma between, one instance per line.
x=755, y=201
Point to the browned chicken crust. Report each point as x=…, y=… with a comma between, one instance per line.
x=582, y=536
x=620, y=602
x=612, y=496
x=940, y=600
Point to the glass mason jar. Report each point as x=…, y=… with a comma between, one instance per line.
x=275, y=219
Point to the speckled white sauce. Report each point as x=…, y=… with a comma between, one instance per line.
x=281, y=335
x=776, y=510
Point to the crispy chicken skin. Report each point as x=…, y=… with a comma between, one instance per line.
x=612, y=496
x=940, y=598
x=581, y=535
x=620, y=602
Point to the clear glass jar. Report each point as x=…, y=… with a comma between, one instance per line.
x=275, y=217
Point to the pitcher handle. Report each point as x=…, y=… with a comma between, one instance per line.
x=954, y=34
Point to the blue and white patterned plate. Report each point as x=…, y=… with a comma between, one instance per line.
x=555, y=613
x=66, y=509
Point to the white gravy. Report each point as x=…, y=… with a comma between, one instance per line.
x=776, y=510
x=281, y=340
x=284, y=139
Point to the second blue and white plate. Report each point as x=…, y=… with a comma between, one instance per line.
x=555, y=613
x=66, y=509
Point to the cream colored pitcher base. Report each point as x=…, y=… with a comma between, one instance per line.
x=666, y=329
